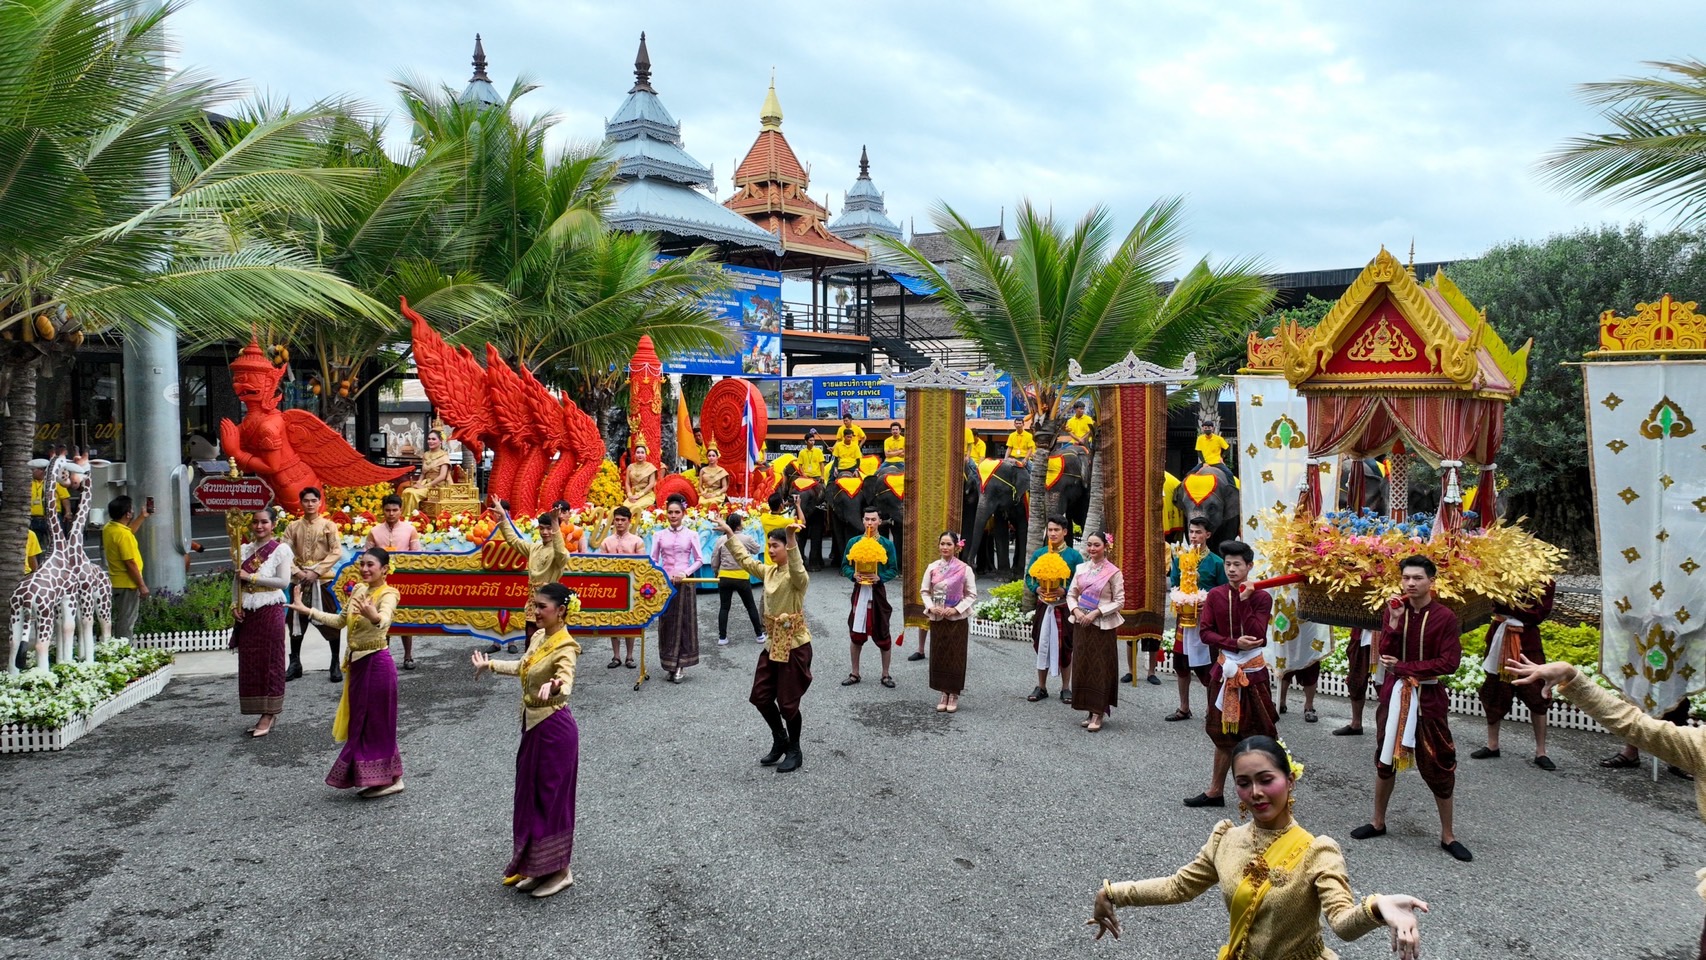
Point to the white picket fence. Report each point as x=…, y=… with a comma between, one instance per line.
x=1562, y=714
x=20, y=738
x=194, y=641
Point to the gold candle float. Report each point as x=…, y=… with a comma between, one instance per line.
x=867, y=554
x=1188, y=595
x=1051, y=574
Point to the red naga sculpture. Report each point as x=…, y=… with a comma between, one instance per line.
x=527, y=425
x=292, y=449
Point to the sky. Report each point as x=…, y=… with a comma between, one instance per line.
x=1303, y=134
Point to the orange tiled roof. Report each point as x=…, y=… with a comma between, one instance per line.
x=771, y=159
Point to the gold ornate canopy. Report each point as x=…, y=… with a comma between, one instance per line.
x=1390, y=333
x=1666, y=326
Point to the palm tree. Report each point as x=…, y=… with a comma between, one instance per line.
x=96, y=236
x=1062, y=296
x=401, y=232
x=1657, y=150
x=581, y=295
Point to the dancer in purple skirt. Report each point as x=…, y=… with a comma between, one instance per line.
x=548, y=761
x=367, y=714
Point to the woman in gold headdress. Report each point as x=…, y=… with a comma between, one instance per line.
x=713, y=479
x=435, y=471
x=640, y=481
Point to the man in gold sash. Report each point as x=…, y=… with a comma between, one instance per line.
x=1419, y=647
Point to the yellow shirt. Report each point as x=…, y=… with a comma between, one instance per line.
x=857, y=431
x=545, y=561
x=894, y=448
x=1211, y=448
x=365, y=636
x=38, y=501
x=32, y=550
x=549, y=658
x=118, y=542
x=1020, y=445
x=1080, y=427
x=974, y=445
x=846, y=454
x=810, y=460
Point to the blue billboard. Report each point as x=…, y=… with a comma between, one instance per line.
x=752, y=306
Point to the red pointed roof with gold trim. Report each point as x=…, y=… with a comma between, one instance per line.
x=771, y=191
x=1389, y=332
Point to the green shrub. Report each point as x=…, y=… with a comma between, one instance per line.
x=205, y=604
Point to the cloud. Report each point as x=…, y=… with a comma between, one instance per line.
x=1305, y=133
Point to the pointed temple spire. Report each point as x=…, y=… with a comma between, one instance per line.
x=863, y=212
x=770, y=115
x=864, y=164
x=479, y=62
x=642, y=69
x=771, y=191
x=479, y=89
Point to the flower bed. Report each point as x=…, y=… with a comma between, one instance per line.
x=52, y=710
x=1002, y=616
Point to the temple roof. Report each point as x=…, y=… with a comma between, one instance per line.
x=479, y=89
x=863, y=212
x=656, y=178
x=1390, y=333
x=770, y=190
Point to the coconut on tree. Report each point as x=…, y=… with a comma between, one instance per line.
x=1064, y=294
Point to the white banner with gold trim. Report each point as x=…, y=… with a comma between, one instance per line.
x=1647, y=437
x=1273, y=460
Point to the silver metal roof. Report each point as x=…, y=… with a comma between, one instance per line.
x=650, y=203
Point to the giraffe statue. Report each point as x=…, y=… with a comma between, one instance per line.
x=92, y=591
x=42, y=601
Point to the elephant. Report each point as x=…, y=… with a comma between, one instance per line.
x=1002, y=499
x=968, y=518
x=891, y=505
x=845, y=499
x=1070, y=495
x=1206, y=492
x=814, y=513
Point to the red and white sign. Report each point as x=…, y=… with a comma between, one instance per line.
x=234, y=493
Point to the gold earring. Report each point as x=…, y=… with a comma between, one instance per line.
x=1290, y=802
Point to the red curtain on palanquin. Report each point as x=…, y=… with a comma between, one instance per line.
x=1445, y=431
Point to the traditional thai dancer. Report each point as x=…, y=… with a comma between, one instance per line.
x=1515, y=634
x=713, y=479
x=1235, y=625
x=1277, y=879
x=1192, y=657
x=397, y=535
x=871, y=561
x=259, y=635
x=640, y=481
x=1047, y=575
x=1419, y=647
x=435, y=472
x=677, y=550
x=784, y=670
x=1681, y=746
x=1094, y=599
x=367, y=714
x=622, y=540
x=315, y=549
x=546, y=561
x=949, y=591
x=547, y=763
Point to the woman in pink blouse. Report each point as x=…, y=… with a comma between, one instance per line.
x=1094, y=601
x=948, y=591
x=676, y=549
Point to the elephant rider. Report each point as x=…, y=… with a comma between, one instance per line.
x=1212, y=447
x=1080, y=425
x=809, y=462
x=1020, y=443
x=850, y=430
x=974, y=446
x=894, y=446
x=846, y=455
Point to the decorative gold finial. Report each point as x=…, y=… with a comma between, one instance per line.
x=1410, y=268
x=770, y=117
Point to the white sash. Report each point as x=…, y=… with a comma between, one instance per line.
x=1197, y=652
x=1234, y=659
x=1048, y=642
x=1388, y=745
x=1496, y=645
x=861, y=608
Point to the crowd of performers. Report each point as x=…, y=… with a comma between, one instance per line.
x=1219, y=645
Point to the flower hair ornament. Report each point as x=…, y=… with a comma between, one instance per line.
x=1296, y=770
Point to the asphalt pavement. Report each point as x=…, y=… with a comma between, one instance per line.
x=908, y=833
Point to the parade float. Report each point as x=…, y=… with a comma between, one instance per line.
x=1407, y=369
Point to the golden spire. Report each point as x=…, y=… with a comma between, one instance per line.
x=1410, y=267
x=770, y=116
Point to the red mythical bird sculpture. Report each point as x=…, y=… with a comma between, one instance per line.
x=292, y=449
x=525, y=424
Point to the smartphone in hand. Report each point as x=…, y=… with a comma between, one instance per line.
x=148, y=505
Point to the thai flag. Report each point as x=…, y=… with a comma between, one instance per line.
x=750, y=422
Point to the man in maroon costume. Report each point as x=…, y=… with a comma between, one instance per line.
x=1234, y=624
x=1514, y=633
x=1418, y=646
x=1356, y=679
